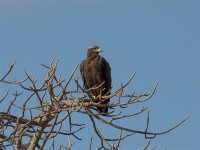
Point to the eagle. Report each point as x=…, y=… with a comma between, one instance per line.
x=96, y=76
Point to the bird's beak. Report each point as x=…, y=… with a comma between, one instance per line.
x=98, y=50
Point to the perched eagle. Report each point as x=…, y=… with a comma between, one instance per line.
x=95, y=71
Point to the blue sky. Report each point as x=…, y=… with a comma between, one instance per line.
x=160, y=40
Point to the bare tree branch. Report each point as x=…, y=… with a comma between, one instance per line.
x=47, y=112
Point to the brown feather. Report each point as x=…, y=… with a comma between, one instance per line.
x=94, y=71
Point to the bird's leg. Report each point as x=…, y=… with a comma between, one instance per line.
x=94, y=98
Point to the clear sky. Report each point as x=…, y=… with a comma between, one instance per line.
x=159, y=39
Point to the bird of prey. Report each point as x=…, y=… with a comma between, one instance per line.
x=96, y=72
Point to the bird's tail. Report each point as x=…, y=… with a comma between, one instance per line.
x=104, y=109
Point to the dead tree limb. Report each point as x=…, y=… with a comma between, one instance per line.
x=48, y=109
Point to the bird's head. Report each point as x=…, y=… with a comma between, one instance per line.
x=93, y=50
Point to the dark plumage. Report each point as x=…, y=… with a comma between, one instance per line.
x=94, y=71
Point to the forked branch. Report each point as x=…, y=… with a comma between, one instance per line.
x=47, y=112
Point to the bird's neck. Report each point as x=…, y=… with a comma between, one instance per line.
x=91, y=57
